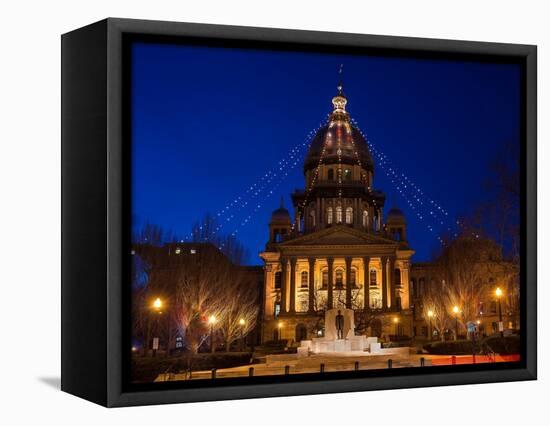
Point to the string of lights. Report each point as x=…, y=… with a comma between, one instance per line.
x=231, y=210
x=424, y=207
x=283, y=172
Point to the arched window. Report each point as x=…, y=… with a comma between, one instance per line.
x=329, y=215
x=330, y=174
x=365, y=218
x=324, y=283
x=277, y=280
x=339, y=214
x=349, y=214
x=304, y=278
x=347, y=174
x=312, y=218
x=372, y=278
x=339, y=278
x=397, y=277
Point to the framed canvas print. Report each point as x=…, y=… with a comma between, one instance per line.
x=253, y=212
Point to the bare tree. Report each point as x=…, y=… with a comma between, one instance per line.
x=464, y=277
x=435, y=309
x=208, y=230
x=240, y=308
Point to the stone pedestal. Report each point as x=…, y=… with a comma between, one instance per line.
x=330, y=343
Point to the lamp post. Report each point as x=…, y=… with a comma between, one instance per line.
x=430, y=316
x=157, y=306
x=498, y=293
x=456, y=310
x=280, y=327
x=396, y=322
x=212, y=321
x=242, y=323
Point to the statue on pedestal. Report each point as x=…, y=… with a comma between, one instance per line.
x=339, y=321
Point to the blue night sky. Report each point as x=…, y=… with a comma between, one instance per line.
x=207, y=123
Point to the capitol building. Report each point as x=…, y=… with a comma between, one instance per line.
x=338, y=249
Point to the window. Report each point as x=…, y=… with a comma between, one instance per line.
x=352, y=277
x=304, y=278
x=365, y=218
x=339, y=214
x=375, y=300
x=397, y=277
x=277, y=280
x=349, y=214
x=339, y=278
x=420, y=289
x=325, y=279
x=347, y=174
x=329, y=215
x=373, y=278
x=301, y=332
x=330, y=174
x=312, y=218
x=277, y=309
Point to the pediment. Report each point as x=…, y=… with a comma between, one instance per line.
x=338, y=235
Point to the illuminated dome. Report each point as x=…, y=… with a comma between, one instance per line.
x=395, y=216
x=281, y=215
x=340, y=140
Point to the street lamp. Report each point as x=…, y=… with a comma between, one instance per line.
x=456, y=310
x=280, y=327
x=396, y=322
x=212, y=321
x=242, y=322
x=157, y=306
x=430, y=316
x=498, y=293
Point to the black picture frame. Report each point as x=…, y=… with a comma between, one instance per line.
x=95, y=212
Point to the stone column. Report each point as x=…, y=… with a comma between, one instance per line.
x=269, y=289
x=391, y=281
x=311, y=288
x=384, y=282
x=292, y=309
x=366, y=283
x=330, y=262
x=406, y=286
x=348, y=282
x=284, y=282
x=322, y=219
x=318, y=214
